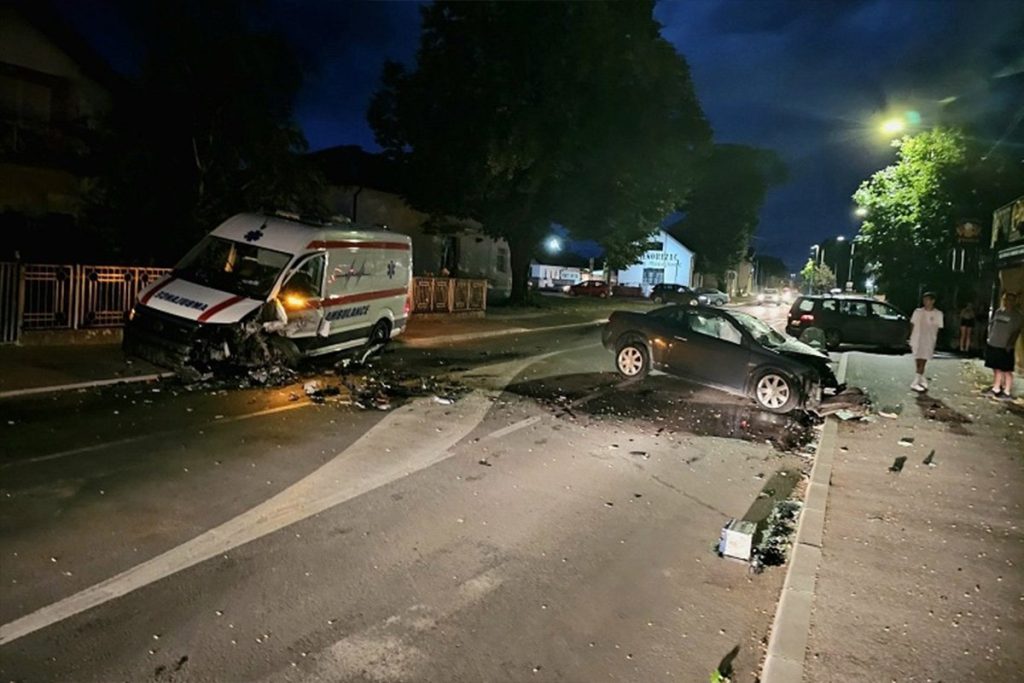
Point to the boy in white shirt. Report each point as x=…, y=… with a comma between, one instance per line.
x=926, y=322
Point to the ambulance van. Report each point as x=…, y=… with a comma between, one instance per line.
x=267, y=288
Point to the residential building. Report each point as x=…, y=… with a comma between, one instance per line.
x=667, y=260
x=1008, y=244
x=54, y=91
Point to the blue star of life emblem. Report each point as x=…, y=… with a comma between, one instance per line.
x=392, y=267
x=253, y=235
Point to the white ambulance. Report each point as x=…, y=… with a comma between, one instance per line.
x=265, y=287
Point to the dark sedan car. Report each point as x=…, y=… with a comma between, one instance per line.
x=663, y=293
x=727, y=350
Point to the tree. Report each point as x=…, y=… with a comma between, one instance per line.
x=940, y=177
x=519, y=115
x=724, y=209
x=206, y=131
x=819, y=278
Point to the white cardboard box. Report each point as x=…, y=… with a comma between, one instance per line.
x=737, y=539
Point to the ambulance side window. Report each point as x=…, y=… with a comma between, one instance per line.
x=307, y=280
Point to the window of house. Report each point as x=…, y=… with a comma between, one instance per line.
x=501, y=260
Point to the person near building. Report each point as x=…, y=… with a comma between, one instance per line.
x=967, y=319
x=926, y=323
x=1003, y=330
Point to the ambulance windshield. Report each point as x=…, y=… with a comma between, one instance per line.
x=234, y=267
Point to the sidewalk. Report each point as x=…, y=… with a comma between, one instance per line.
x=922, y=571
x=28, y=369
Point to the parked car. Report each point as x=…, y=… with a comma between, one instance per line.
x=769, y=296
x=668, y=294
x=850, y=320
x=598, y=288
x=712, y=297
x=728, y=350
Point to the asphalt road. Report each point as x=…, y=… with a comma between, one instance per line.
x=550, y=524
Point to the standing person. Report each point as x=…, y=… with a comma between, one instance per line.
x=926, y=322
x=967, y=319
x=1003, y=330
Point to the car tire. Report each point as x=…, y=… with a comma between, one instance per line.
x=632, y=360
x=833, y=339
x=775, y=391
x=657, y=300
x=378, y=340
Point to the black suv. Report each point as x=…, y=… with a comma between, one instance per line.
x=850, y=320
x=664, y=293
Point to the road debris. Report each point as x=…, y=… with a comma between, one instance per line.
x=906, y=441
x=929, y=459
x=897, y=464
x=777, y=536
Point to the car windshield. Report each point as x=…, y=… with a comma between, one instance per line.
x=234, y=267
x=760, y=330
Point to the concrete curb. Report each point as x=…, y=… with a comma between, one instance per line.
x=787, y=644
x=470, y=336
x=12, y=393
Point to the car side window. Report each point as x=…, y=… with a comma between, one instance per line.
x=307, y=280
x=830, y=305
x=806, y=305
x=714, y=326
x=858, y=309
x=887, y=312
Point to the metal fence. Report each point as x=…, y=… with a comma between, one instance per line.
x=9, y=297
x=37, y=296
x=62, y=297
x=448, y=295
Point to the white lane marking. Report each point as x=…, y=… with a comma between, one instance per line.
x=11, y=393
x=514, y=427
x=131, y=439
x=451, y=338
x=382, y=455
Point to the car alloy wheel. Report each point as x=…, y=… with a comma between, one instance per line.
x=773, y=391
x=631, y=360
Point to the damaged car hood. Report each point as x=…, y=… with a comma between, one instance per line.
x=797, y=349
x=195, y=302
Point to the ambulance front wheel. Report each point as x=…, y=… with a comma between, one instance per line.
x=284, y=351
x=380, y=335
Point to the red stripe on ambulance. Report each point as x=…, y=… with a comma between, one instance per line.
x=321, y=244
x=364, y=296
x=149, y=295
x=214, y=310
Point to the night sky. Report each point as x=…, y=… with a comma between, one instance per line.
x=809, y=79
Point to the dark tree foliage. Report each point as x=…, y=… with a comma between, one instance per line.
x=940, y=178
x=206, y=131
x=519, y=115
x=724, y=208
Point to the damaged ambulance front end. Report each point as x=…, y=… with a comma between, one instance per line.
x=216, y=308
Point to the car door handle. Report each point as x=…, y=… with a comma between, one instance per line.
x=678, y=338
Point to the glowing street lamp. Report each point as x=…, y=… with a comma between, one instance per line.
x=553, y=245
x=861, y=212
x=893, y=126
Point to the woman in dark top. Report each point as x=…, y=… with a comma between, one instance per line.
x=967, y=318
